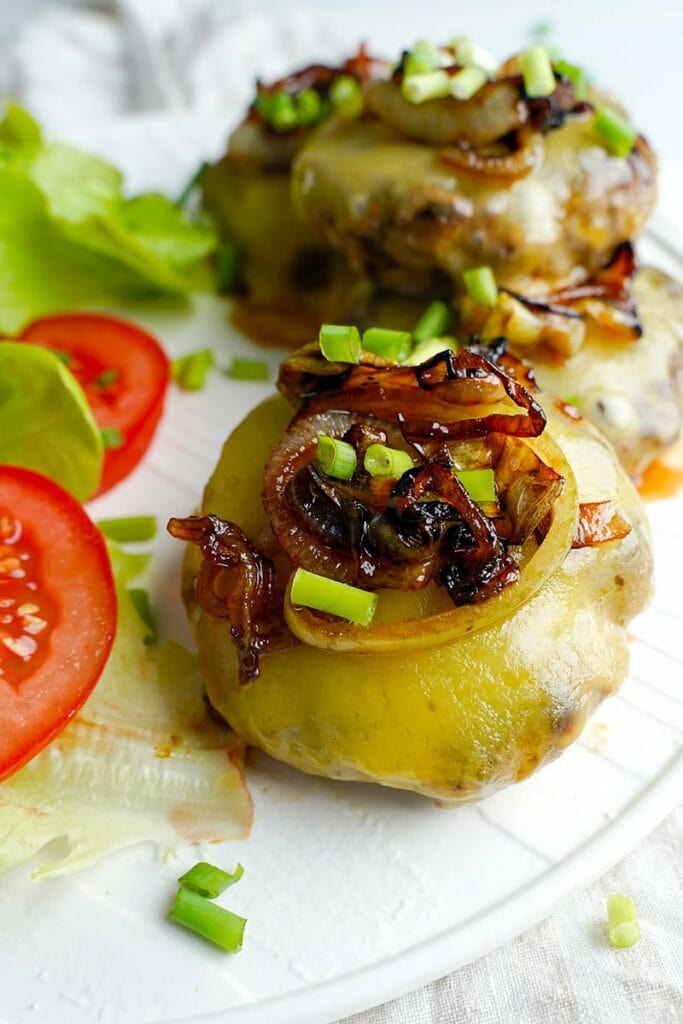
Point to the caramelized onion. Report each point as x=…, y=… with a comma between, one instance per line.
x=598, y=523
x=496, y=166
x=236, y=582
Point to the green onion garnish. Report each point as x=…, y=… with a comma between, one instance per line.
x=467, y=82
x=340, y=343
x=571, y=399
x=336, y=458
x=617, y=134
x=433, y=322
x=537, y=71
x=576, y=76
x=107, y=378
x=432, y=85
x=248, y=369
x=209, y=881
x=423, y=57
x=190, y=371
x=335, y=598
x=192, y=184
x=481, y=285
x=469, y=53
x=390, y=344
x=139, y=598
x=622, y=921
x=112, y=438
x=425, y=350
x=383, y=461
x=227, y=265
x=219, y=926
x=282, y=114
x=129, y=528
x=480, y=484
x=309, y=107
x=345, y=96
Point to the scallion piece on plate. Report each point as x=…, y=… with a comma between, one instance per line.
x=617, y=135
x=209, y=881
x=214, y=923
x=248, y=369
x=469, y=53
x=336, y=458
x=129, y=529
x=383, y=461
x=431, y=85
x=345, y=96
x=388, y=343
x=467, y=82
x=480, y=484
x=282, y=114
x=139, y=598
x=340, y=343
x=423, y=57
x=309, y=107
x=335, y=598
x=227, y=265
x=112, y=438
x=576, y=76
x=433, y=322
x=537, y=71
x=190, y=371
x=622, y=921
x=425, y=350
x=481, y=285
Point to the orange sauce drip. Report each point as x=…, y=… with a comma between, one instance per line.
x=663, y=478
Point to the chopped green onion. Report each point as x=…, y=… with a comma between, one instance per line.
x=335, y=598
x=345, y=96
x=309, y=107
x=129, y=528
x=537, y=71
x=248, y=369
x=209, y=881
x=391, y=344
x=481, y=285
x=383, y=461
x=469, y=53
x=219, y=926
x=139, y=598
x=190, y=371
x=423, y=57
x=571, y=399
x=467, y=82
x=432, y=85
x=336, y=458
x=617, y=134
x=112, y=438
x=425, y=350
x=107, y=378
x=192, y=184
x=340, y=343
x=622, y=921
x=480, y=484
x=283, y=112
x=576, y=76
x=433, y=322
x=227, y=265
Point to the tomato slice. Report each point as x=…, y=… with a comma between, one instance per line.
x=57, y=612
x=124, y=372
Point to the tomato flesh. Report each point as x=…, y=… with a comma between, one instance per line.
x=28, y=611
x=124, y=373
x=57, y=612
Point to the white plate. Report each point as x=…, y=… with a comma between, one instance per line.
x=354, y=894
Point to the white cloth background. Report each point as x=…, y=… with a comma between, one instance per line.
x=73, y=62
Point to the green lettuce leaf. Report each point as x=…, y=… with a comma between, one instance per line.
x=141, y=761
x=69, y=236
x=45, y=421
